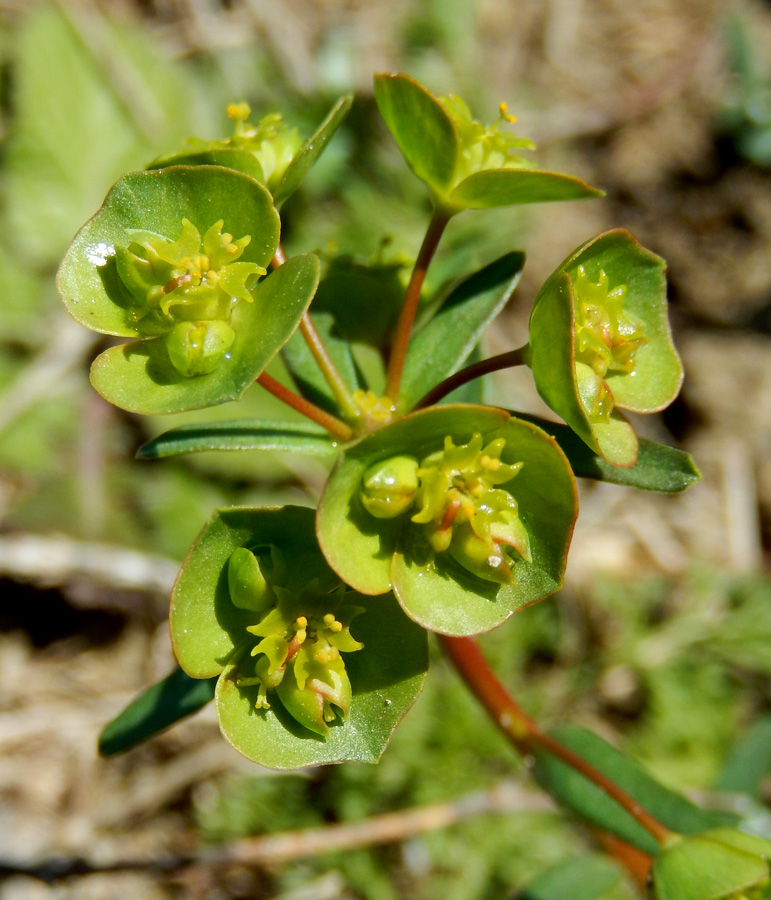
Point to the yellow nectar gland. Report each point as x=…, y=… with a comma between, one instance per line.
x=607, y=339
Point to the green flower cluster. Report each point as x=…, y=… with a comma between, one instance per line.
x=187, y=290
x=302, y=638
x=606, y=340
x=271, y=140
x=458, y=503
x=483, y=147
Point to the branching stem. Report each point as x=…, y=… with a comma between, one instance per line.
x=334, y=425
x=507, y=360
x=524, y=733
x=324, y=361
x=436, y=226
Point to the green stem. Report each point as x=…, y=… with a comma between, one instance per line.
x=475, y=370
x=334, y=425
x=524, y=733
x=436, y=226
x=324, y=361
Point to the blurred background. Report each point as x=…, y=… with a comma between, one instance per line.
x=661, y=641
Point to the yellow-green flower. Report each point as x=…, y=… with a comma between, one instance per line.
x=187, y=290
x=459, y=507
x=302, y=638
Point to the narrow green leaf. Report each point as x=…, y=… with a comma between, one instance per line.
x=443, y=345
x=421, y=127
x=508, y=187
x=658, y=467
x=311, y=150
x=593, y=805
x=749, y=761
x=299, y=437
x=160, y=706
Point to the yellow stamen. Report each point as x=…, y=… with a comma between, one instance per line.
x=239, y=111
x=504, y=110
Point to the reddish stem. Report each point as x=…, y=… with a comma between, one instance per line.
x=525, y=735
x=434, y=232
x=475, y=370
x=334, y=425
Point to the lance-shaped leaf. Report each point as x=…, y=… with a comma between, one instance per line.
x=218, y=617
x=464, y=164
x=444, y=344
x=311, y=150
x=583, y=797
x=249, y=434
x=658, y=466
x=159, y=707
x=600, y=341
x=466, y=512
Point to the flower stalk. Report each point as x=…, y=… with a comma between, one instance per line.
x=324, y=361
x=434, y=232
x=315, y=413
x=506, y=360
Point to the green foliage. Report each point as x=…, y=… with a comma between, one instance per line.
x=464, y=164
x=447, y=592
x=214, y=633
x=446, y=519
x=574, y=318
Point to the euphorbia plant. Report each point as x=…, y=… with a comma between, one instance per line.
x=309, y=628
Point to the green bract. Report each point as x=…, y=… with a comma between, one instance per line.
x=159, y=262
x=721, y=864
x=465, y=164
x=270, y=151
x=600, y=341
x=309, y=671
x=465, y=512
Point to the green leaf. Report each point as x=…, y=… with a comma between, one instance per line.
x=658, y=467
x=227, y=157
x=139, y=377
x=156, y=201
x=722, y=864
x=509, y=187
x=374, y=555
x=443, y=345
x=386, y=678
x=657, y=373
x=421, y=128
x=206, y=628
x=305, y=371
x=749, y=761
x=209, y=637
x=310, y=151
x=160, y=706
x=593, y=805
x=589, y=877
x=299, y=437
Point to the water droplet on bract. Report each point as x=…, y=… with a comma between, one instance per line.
x=227, y=356
x=388, y=702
